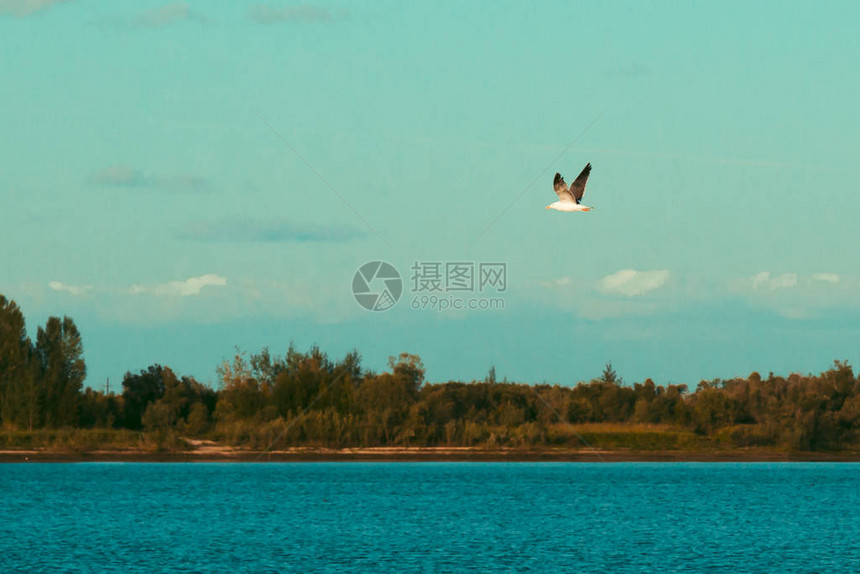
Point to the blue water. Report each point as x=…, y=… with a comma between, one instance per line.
x=429, y=517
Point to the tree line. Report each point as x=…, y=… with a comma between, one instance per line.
x=309, y=399
x=41, y=381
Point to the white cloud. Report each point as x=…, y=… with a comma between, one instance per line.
x=763, y=280
x=784, y=281
x=631, y=282
x=25, y=7
x=73, y=289
x=188, y=287
x=760, y=279
x=796, y=296
x=580, y=298
x=203, y=299
x=826, y=277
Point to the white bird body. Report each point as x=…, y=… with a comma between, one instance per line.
x=567, y=206
x=569, y=198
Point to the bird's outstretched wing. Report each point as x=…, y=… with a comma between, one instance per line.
x=561, y=189
x=578, y=187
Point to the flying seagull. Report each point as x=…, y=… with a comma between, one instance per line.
x=568, y=199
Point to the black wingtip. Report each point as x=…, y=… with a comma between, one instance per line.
x=557, y=178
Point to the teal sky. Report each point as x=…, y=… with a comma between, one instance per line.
x=187, y=178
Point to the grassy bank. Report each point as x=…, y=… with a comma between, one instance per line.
x=72, y=440
x=587, y=442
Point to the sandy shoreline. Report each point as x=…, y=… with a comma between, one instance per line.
x=219, y=453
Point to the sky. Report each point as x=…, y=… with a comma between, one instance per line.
x=189, y=179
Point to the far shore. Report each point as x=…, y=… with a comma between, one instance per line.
x=218, y=453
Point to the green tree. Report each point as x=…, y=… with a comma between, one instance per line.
x=304, y=382
x=241, y=396
x=99, y=409
x=181, y=397
x=159, y=416
x=384, y=401
x=17, y=383
x=491, y=375
x=409, y=369
x=609, y=375
x=198, y=419
x=62, y=370
x=140, y=390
